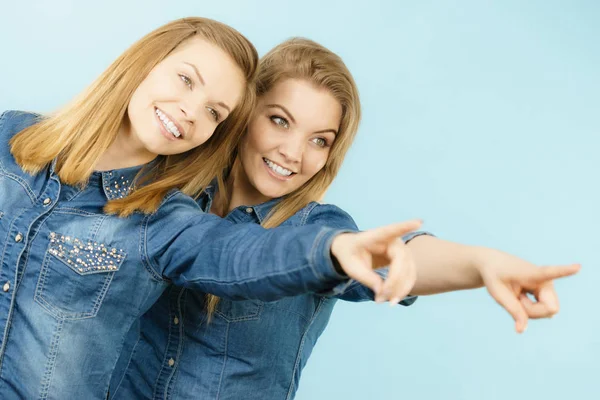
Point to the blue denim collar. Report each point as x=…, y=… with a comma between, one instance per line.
x=116, y=183
x=260, y=210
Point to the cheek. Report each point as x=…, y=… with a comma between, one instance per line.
x=313, y=163
x=257, y=137
x=133, y=109
x=157, y=88
x=140, y=101
x=203, y=133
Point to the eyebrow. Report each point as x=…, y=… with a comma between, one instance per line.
x=201, y=79
x=225, y=106
x=290, y=116
x=197, y=72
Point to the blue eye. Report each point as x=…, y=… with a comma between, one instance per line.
x=280, y=121
x=186, y=79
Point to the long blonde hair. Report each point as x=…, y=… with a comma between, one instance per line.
x=300, y=58
x=78, y=134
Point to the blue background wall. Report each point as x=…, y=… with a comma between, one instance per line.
x=482, y=119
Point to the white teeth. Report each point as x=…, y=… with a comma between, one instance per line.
x=277, y=168
x=169, y=125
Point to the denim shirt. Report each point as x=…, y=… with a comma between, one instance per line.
x=249, y=350
x=75, y=279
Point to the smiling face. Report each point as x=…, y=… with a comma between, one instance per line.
x=182, y=100
x=289, y=137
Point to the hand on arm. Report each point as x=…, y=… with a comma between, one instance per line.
x=360, y=253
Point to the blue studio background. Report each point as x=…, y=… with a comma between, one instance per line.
x=482, y=117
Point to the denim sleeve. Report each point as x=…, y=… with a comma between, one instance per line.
x=356, y=292
x=13, y=122
x=237, y=261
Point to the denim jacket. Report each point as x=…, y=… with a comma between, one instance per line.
x=250, y=349
x=74, y=279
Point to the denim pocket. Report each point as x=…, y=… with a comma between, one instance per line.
x=242, y=310
x=75, y=276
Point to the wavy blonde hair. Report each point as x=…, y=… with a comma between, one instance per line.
x=300, y=58
x=78, y=134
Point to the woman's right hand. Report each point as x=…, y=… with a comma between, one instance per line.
x=359, y=254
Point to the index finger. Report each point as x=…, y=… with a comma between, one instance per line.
x=392, y=231
x=554, y=272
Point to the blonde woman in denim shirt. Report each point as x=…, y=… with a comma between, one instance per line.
x=93, y=227
x=196, y=346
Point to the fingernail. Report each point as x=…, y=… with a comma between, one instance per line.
x=523, y=328
x=394, y=302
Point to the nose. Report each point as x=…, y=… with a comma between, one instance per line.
x=188, y=114
x=292, y=149
x=192, y=107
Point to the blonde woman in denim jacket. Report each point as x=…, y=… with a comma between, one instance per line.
x=190, y=345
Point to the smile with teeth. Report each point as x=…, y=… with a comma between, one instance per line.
x=279, y=170
x=168, y=124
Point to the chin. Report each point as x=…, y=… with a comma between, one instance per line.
x=153, y=148
x=270, y=192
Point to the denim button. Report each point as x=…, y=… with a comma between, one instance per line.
x=18, y=238
x=47, y=201
x=6, y=287
x=249, y=210
x=176, y=321
x=171, y=362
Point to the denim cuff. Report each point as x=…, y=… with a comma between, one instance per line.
x=321, y=257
